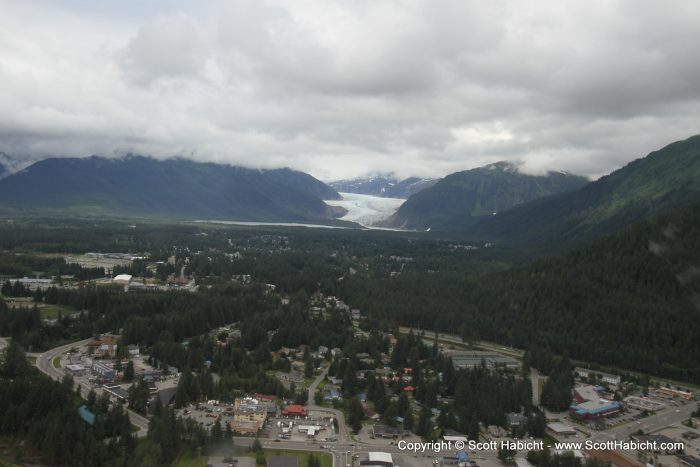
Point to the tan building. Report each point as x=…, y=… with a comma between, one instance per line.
x=249, y=415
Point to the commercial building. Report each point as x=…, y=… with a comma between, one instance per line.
x=378, y=459
x=310, y=430
x=643, y=403
x=592, y=410
x=104, y=371
x=295, y=410
x=76, y=369
x=249, y=415
x=106, y=346
x=117, y=392
x=560, y=429
x=676, y=393
x=475, y=358
x=387, y=432
x=601, y=376
x=587, y=392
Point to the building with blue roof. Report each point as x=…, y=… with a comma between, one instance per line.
x=595, y=409
x=86, y=414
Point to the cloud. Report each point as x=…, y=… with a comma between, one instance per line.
x=338, y=89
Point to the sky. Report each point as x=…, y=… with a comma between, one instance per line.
x=342, y=88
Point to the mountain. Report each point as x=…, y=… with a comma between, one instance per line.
x=384, y=186
x=137, y=185
x=459, y=200
x=630, y=299
x=663, y=180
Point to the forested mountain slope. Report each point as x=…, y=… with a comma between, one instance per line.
x=137, y=185
x=663, y=180
x=630, y=300
x=462, y=198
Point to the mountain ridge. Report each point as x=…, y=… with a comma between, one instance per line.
x=461, y=198
x=664, y=179
x=385, y=186
x=173, y=187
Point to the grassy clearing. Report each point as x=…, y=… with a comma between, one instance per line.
x=186, y=460
x=52, y=311
x=57, y=362
x=303, y=456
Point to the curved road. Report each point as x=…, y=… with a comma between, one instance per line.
x=44, y=362
x=338, y=414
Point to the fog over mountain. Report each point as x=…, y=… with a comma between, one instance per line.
x=342, y=89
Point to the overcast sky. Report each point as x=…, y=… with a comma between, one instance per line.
x=342, y=88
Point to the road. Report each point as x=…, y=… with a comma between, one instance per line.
x=44, y=362
x=649, y=424
x=341, y=451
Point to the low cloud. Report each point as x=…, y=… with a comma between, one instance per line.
x=341, y=89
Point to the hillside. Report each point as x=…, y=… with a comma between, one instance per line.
x=630, y=300
x=137, y=185
x=383, y=186
x=461, y=199
x=661, y=181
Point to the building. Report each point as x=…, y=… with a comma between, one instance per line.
x=295, y=410
x=106, y=346
x=592, y=410
x=104, y=371
x=117, y=392
x=516, y=420
x=587, y=392
x=378, y=459
x=387, y=432
x=123, y=279
x=475, y=358
x=167, y=395
x=689, y=461
x=310, y=430
x=602, y=377
x=675, y=393
x=560, y=429
x=643, y=403
x=86, y=414
x=283, y=461
x=134, y=350
x=655, y=440
x=76, y=369
x=249, y=415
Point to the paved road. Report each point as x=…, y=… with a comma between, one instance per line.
x=44, y=362
x=342, y=427
x=649, y=424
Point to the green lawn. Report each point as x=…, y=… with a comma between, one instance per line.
x=51, y=311
x=184, y=460
x=303, y=456
x=57, y=362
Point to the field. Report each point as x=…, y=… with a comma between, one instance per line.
x=52, y=311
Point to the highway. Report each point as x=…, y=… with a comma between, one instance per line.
x=44, y=362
